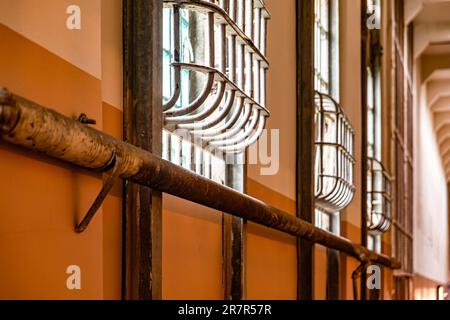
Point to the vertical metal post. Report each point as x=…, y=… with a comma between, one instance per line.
x=234, y=238
x=143, y=128
x=333, y=292
x=364, y=135
x=305, y=142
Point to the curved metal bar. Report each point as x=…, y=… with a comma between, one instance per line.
x=238, y=126
x=339, y=195
x=348, y=193
x=223, y=17
x=177, y=92
x=217, y=129
x=336, y=197
x=381, y=226
x=220, y=76
x=197, y=103
x=220, y=115
x=326, y=98
x=221, y=87
x=243, y=135
x=238, y=148
x=343, y=196
x=205, y=113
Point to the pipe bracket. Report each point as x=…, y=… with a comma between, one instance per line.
x=113, y=177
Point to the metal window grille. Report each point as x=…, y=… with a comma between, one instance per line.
x=326, y=80
x=378, y=198
x=217, y=79
x=378, y=192
x=334, y=165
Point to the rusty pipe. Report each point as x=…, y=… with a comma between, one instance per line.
x=36, y=128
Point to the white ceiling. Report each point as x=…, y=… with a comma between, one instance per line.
x=434, y=12
x=432, y=31
x=437, y=49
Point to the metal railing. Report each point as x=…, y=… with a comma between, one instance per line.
x=36, y=128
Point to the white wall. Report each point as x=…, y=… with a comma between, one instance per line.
x=431, y=214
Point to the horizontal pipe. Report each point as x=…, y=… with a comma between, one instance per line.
x=29, y=125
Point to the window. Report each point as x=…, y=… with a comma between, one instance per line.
x=185, y=53
x=334, y=135
x=403, y=151
x=322, y=45
x=378, y=195
x=214, y=81
x=326, y=47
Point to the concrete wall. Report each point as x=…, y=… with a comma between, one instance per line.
x=431, y=213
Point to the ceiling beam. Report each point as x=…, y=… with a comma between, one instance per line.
x=433, y=63
x=437, y=89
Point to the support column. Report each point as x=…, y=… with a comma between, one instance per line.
x=143, y=128
x=305, y=143
x=234, y=238
x=365, y=59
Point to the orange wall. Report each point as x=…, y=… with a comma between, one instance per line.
x=192, y=251
x=111, y=63
x=41, y=200
x=44, y=22
x=272, y=256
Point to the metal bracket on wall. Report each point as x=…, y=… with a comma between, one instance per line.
x=114, y=176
